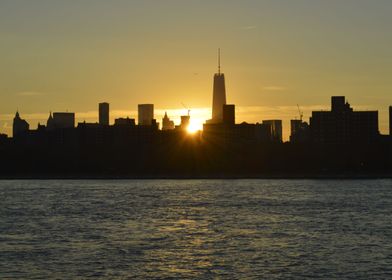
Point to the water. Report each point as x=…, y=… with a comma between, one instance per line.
x=205, y=229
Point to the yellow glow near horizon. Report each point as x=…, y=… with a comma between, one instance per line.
x=195, y=125
x=198, y=116
x=44, y=71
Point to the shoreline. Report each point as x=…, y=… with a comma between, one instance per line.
x=200, y=177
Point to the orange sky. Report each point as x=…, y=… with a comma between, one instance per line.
x=71, y=55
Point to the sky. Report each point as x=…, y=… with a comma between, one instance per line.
x=60, y=55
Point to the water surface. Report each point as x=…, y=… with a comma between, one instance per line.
x=206, y=229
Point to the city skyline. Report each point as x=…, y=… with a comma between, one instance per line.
x=275, y=54
x=340, y=139
x=197, y=139
x=196, y=123
x=199, y=116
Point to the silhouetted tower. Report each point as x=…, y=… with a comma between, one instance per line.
x=104, y=113
x=276, y=131
x=50, y=122
x=185, y=120
x=167, y=124
x=19, y=125
x=145, y=114
x=219, y=94
x=390, y=120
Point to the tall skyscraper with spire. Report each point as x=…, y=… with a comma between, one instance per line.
x=218, y=95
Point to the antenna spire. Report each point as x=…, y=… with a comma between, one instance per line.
x=219, y=67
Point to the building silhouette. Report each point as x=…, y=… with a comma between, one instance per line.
x=145, y=114
x=104, y=113
x=50, y=122
x=124, y=122
x=218, y=95
x=390, y=120
x=342, y=125
x=299, y=131
x=167, y=124
x=222, y=127
x=221, y=149
x=185, y=120
x=3, y=138
x=276, y=130
x=228, y=114
x=19, y=126
x=63, y=120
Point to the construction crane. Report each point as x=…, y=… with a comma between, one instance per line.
x=186, y=107
x=301, y=114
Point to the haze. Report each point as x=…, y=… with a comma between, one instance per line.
x=70, y=55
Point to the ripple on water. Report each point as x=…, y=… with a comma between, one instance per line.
x=176, y=229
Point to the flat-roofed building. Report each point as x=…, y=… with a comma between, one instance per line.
x=276, y=130
x=63, y=120
x=229, y=114
x=300, y=131
x=185, y=120
x=343, y=125
x=145, y=114
x=124, y=122
x=104, y=113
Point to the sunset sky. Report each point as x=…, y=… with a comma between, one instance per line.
x=69, y=55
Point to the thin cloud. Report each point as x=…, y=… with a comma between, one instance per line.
x=30, y=93
x=274, y=88
x=6, y=117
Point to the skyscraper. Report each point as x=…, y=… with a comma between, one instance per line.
x=104, y=113
x=145, y=114
x=219, y=95
x=167, y=124
x=275, y=127
x=300, y=131
x=19, y=126
x=185, y=122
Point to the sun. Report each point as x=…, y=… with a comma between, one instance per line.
x=194, y=126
